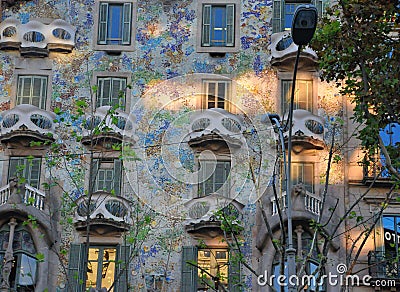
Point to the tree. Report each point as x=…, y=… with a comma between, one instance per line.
x=358, y=48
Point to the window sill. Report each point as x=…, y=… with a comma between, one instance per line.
x=218, y=50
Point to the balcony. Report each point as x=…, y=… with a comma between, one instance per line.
x=201, y=218
x=307, y=132
x=384, y=265
x=106, y=212
x=30, y=196
x=310, y=203
x=283, y=52
x=29, y=121
x=37, y=38
x=108, y=128
x=216, y=130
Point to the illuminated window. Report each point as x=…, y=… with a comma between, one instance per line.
x=101, y=267
x=212, y=262
x=217, y=94
x=26, y=169
x=207, y=263
x=32, y=89
x=107, y=267
x=24, y=268
x=283, y=12
x=108, y=91
x=303, y=96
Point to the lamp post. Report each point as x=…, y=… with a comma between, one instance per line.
x=303, y=27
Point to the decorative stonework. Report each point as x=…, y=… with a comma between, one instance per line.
x=26, y=119
x=36, y=38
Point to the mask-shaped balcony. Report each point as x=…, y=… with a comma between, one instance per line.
x=35, y=38
x=108, y=213
x=216, y=130
x=28, y=123
x=283, y=52
x=307, y=131
x=108, y=128
x=201, y=219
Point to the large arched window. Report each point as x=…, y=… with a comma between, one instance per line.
x=24, y=267
x=302, y=241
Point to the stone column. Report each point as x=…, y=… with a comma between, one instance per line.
x=8, y=259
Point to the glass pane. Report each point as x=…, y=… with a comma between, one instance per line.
x=115, y=24
x=27, y=243
x=108, y=269
x=27, y=271
x=92, y=270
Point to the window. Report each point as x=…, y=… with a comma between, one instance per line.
x=106, y=268
x=303, y=173
x=210, y=262
x=375, y=164
x=283, y=12
x=108, y=91
x=108, y=175
x=303, y=96
x=101, y=267
x=26, y=169
x=391, y=231
x=115, y=25
x=214, y=180
x=217, y=94
x=24, y=266
x=32, y=89
x=303, y=243
x=219, y=26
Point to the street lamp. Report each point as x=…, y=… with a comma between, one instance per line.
x=303, y=27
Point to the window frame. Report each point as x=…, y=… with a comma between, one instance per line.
x=97, y=45
x=231, y=47
x=302, y=164
x=225, y=184
x=101, y=261
x=286, y=95
x=18, y=254
x=279, y=12
x=206, y=90
x=190, y=273
x=122, y=75
x=116, y=184
x=27, y=166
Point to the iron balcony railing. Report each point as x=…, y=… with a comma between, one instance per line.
x=384, y=264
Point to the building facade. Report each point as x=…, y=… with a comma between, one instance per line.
x=136, y=154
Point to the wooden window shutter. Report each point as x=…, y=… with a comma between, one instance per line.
x=117, y=176
x=126, y=24
x=277, y=16
x=230, y=25
x=234, y=274
x=206, y=27
x=103, y=19
x=189, y=272
x=75, y=268
x=122, y=268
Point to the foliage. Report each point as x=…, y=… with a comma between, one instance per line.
x=358, y=46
